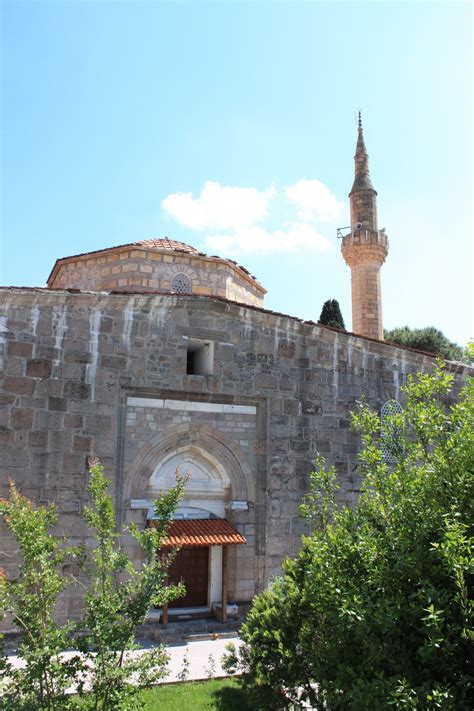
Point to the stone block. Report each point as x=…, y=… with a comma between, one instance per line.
x=6, y=436
x=38, y=438
x=48, y=420
x=38, y=368
x=13, y=458
x=291, y=407
x=76, y=391
x=77, y=357
x=22, y=419
x=99, y=423
x=46, y=462
x=113, y=362
x=19, y=348
x=82, y=444
x=18, y=385
x=57, y=404
x=60, y=440
x=74, y=463
x=51, y=387
x=6, y=399
x=286, y=349
x=73, y=421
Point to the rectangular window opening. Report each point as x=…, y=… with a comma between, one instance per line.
x=199, y=357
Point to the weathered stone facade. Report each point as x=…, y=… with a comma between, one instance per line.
x=107, y=372
x=154, y=356
x=153, y=265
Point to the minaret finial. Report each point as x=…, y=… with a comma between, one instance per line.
x=360, y=119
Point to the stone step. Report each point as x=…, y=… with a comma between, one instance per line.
x=182, y=632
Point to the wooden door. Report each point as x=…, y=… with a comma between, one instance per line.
x=191, y=566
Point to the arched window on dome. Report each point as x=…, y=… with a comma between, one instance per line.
x=391, y=431
x=181, y=284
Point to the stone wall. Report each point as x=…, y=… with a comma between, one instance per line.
x=72, y=364
x=146, y=269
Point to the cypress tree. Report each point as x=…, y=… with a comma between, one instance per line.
x=331, y=314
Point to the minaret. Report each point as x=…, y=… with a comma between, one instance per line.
x=365, y=248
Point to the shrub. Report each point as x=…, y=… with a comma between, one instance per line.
x=107, y=675
x=377, y=608
x=31, y=601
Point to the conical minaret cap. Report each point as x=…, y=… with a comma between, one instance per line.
x=362, y=179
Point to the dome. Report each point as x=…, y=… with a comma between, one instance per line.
x=157, y=265
x=170, y=245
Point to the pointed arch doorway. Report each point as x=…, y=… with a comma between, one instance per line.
x=199, y=528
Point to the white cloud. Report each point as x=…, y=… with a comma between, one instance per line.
x=230, y=218
x=315, y=200
x=297, y=235
x=219, y=207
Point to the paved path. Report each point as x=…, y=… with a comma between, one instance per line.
x=198, y=654
x=201, y=655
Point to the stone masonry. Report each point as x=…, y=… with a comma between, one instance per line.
x=365, y=249
x=74, y=365
x=150, y=265
x=155, y=356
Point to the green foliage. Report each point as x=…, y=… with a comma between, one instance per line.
x=320, y=503
x=428, y=339
x=30, y=600
x=119, y=597
x=230, y=659
x=331, y=314
x=210, y=669
x=183, y=673
x=377, y=608
x=107, y=675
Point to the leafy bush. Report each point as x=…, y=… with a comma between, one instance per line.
x=106, y=674
x=377, y=608
x=31, y=600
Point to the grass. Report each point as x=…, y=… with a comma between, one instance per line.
x=217, y=694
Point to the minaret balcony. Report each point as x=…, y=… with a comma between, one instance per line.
x=362, y=235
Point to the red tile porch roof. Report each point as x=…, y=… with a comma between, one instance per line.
x=202, y=532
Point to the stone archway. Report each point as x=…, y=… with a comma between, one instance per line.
x=208, y=486
x=185, y=436
x=219, y=474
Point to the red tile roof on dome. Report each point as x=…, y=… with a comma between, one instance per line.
x=162, y=243
x=202, y=532
x=171, y=244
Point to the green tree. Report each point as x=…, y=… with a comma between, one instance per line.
x=428, y=339
x=107, y=673
x=30, y=600
x=376, y=611
x=331, y=314
x=118, y=598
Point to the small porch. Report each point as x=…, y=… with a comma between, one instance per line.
x=202, y=564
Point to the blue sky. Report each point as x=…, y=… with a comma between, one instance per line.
x=231, y=126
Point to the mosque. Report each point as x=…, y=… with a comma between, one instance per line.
x=155, y=356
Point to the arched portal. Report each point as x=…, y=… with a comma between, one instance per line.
x=208, y=485
x=207, y=492
x=219, y=478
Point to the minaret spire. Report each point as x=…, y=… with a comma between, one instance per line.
x=365, y=248
x=362, y=179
